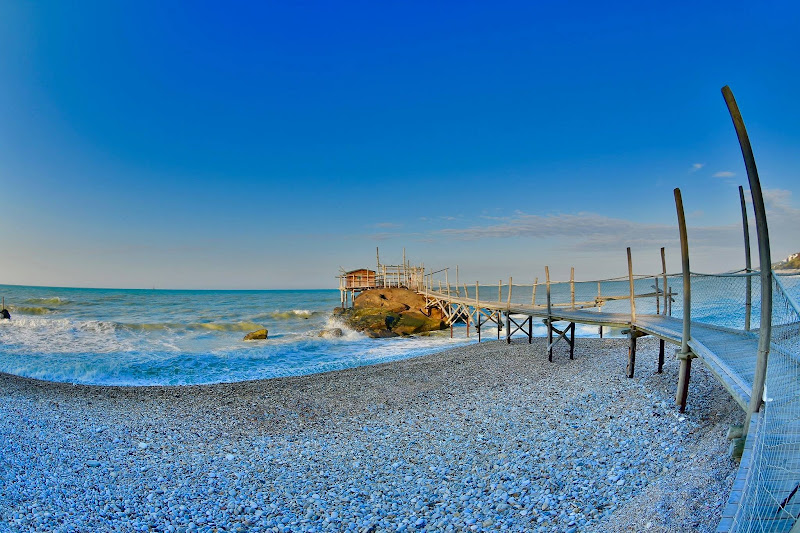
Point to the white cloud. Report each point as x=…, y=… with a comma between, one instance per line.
x=590, y=231
x=724, y=174
x=696, y=167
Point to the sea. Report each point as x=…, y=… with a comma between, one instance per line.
x=181, y=337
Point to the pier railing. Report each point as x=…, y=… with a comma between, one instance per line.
x=769, y=499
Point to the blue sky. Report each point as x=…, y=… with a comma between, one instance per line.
x=240, y=146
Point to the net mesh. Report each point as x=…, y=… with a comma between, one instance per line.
x=770, y=499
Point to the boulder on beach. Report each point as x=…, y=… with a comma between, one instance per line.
x=257, y=335
x=391, y=312
x=331, y=333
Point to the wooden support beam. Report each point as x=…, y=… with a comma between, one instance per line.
x=572, y=286
x=631, y=351
x=630, y=280
x=685, y=354
x=748, y=265
x=664, y=276
x=530, y=329
x=477, y=312
x=658, y=304
x=764, y=256
x=508, y=327
x=549, y=321
x=533, y=298
x=660, y=356
x=572, y=340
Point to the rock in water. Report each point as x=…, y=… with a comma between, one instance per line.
x=5, y=315
x=330, y=333
x=391, y=312
x=260, y=334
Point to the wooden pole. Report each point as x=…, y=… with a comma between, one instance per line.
x=764, y=256
x=660, y=356
x=685, y=354
x=572, y=286
x=477, y=313
x=748, y=301
x=533, y=298
x=447, y=280
x=658, y=299
x=664, y=275
x=631, y=352
x=458, y=283
x=508, y=310
x=469, y=313
x=500, y=291
x=630, y=281
x=549, y=316
x=404, y=268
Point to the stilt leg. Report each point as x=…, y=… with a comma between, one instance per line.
x=572, y=340
x=683, y=383
x=550, y=340
x=508, y=328
x=530, y=329
x=632, y=353
x=661, y=356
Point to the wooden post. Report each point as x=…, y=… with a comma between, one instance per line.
x=403, y=273
x=660, y=356
x=764, y=256
x=500, y=291
x=633, y=293
x=469, y=314
x=631, y=352
x=458, y=283
x=658, y=304
x=508, y=310
x=549, y=316
x=447, y=280
x=572, y=340
x=685, y=354
x=477, y=313
x=533, y=298
x=748, y=300
x=530, y=329
x=572, y=286
x=664, y=275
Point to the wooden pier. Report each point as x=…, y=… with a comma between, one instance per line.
x=743, y=358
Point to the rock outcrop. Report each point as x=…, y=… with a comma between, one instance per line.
x=257, y=335
x=331, y=333
x=390, y=313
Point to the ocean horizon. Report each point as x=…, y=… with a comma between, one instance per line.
x=104, y=336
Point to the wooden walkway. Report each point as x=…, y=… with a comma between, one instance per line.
x=729, y=354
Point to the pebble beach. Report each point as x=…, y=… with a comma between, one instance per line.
x=482, y=437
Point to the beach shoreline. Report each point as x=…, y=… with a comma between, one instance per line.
x=479, y=437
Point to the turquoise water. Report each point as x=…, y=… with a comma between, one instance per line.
x=158, y=337
x=161, y=337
